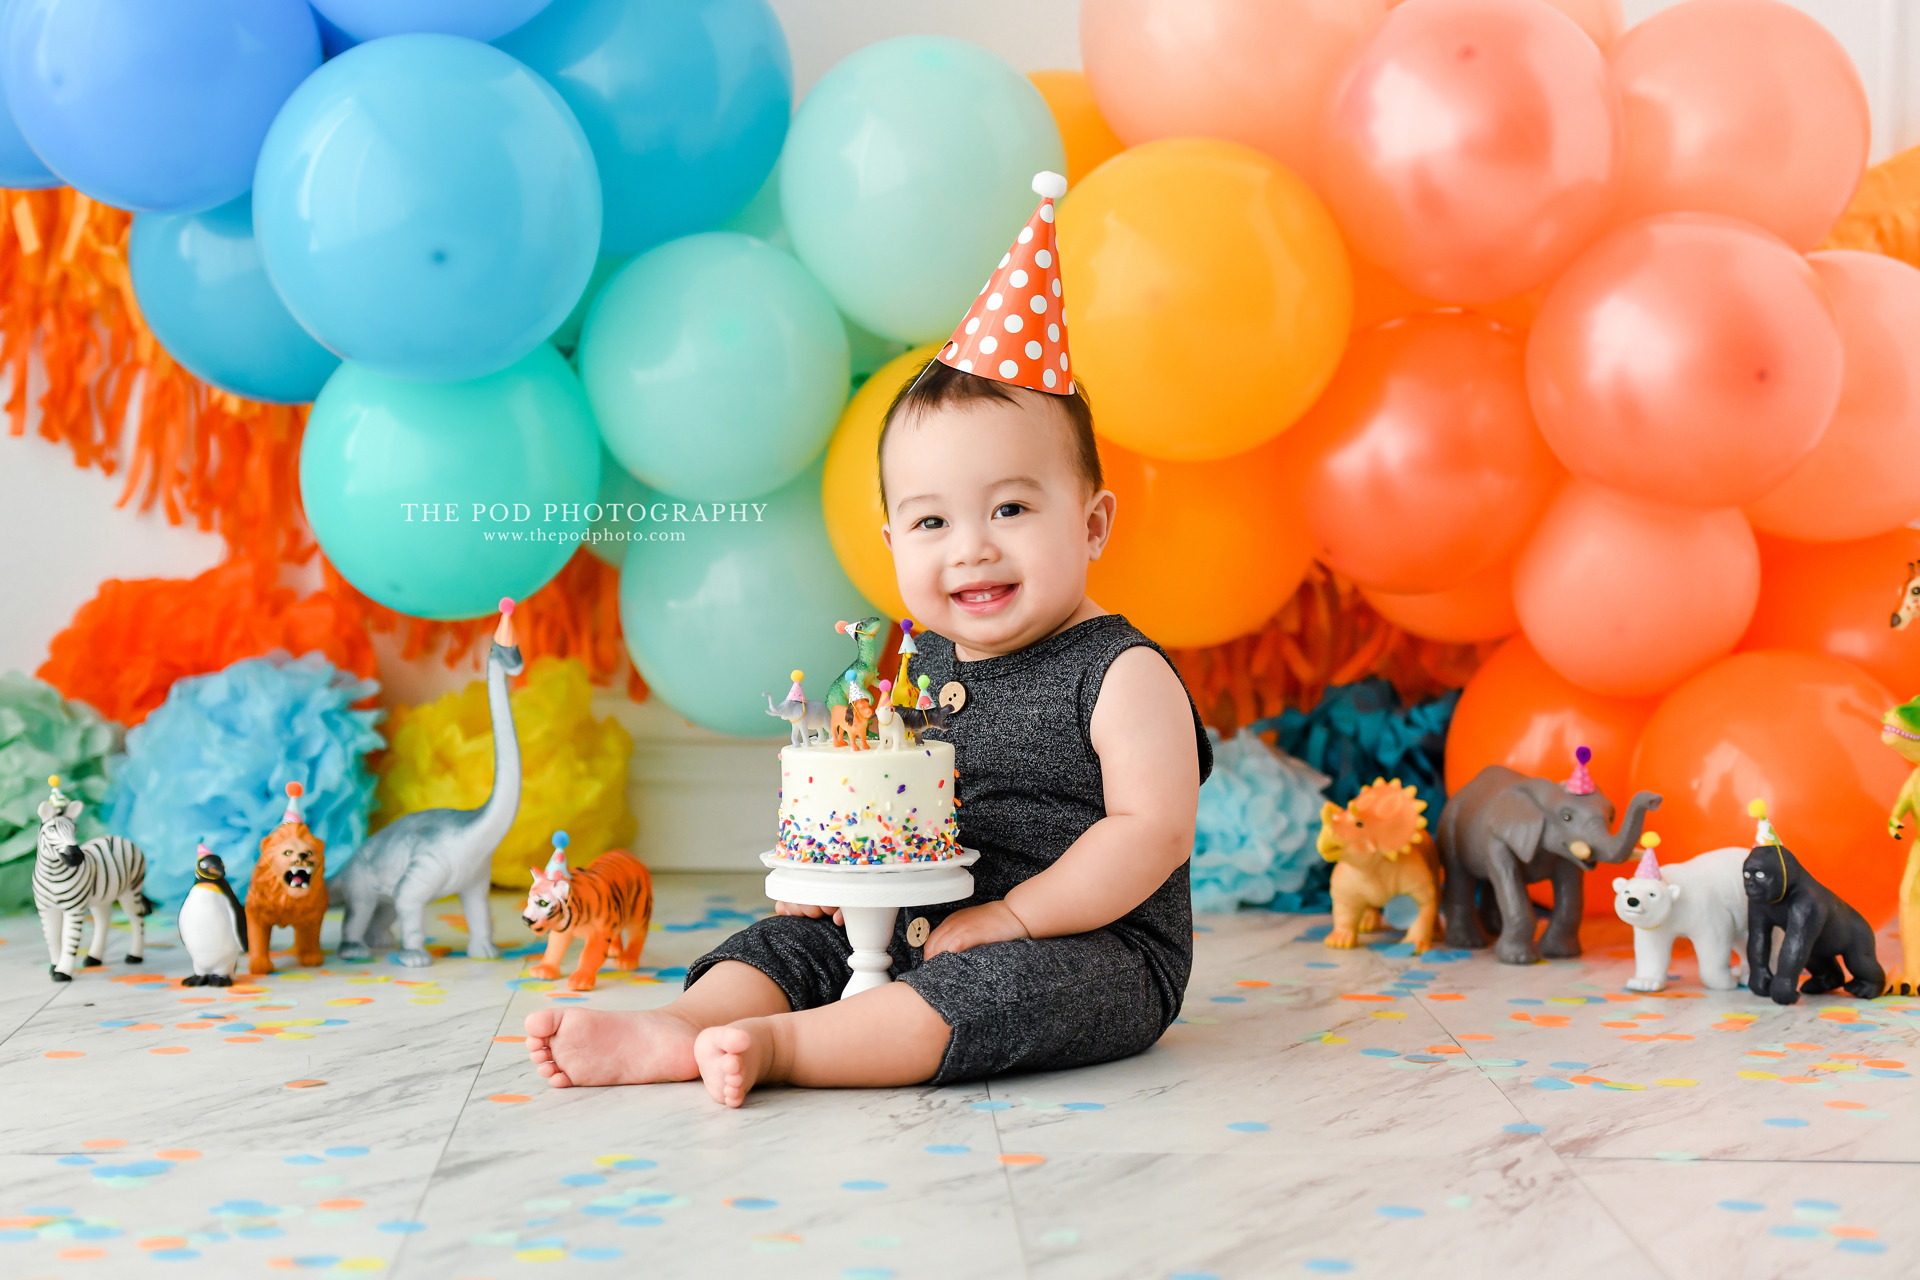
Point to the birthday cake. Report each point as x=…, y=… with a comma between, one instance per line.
x=842, y=807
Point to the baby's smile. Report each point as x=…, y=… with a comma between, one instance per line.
x=986, y=597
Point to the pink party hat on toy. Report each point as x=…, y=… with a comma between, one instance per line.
x=797, y=694
x=1649, y=868
x=1016, y=330
x=293, y=814
x=503, y=634
x=1581, y=783
x=557, y=864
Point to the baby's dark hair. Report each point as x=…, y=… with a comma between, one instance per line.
x=938, y=385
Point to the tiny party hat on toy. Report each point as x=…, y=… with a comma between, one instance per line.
x=503, y=634
x=797, y=694
x=1581, y=783
x=1016, y=330
x=293, y=814
x=1763, y=834
x=926, y=695
x=906, y=637
x=557, y=864
x=55, y=799
x=1649, y=868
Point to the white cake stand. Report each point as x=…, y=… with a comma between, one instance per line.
x=870, y=899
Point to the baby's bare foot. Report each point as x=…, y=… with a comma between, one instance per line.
x=732, y=1059
x=590, y=1047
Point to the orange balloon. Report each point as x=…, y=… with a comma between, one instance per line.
x=1519, y=712
x=1089, y=141
x=1250, y=73
x=1748, y=108
x=1628, y=597
x=1378, y=298
x=1425, y=465
x=1472, y=147
x=1859, y=480
x=1839, y=598
x=1481, y=608
x=1802, y=732
x=850, y=485
x=1602, y=20
x=1209, y=293
x=1687, y=358
x=1201, y=551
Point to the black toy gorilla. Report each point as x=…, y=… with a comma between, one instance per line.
x=1820, y=930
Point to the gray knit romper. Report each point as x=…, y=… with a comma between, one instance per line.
x=1029, y=785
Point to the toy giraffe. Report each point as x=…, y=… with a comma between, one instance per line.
x=903, y=689
x=1909, y=607
x=1900, y=729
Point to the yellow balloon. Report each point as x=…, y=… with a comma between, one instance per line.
x=1090, y=141
x=1208, y=295
x=850, y=489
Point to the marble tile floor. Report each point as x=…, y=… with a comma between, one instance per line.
x=1313, y=1113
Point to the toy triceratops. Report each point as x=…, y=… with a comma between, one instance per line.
x=1382, y=849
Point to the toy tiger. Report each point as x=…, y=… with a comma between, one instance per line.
x=613, y=896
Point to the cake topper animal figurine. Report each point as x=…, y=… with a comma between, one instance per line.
x=435, y=852
x=1909, y=606
x=70, y=878
x=888, y=726
x=805, y=719
x=1380, y=847
x=1819, y=930
x=213, y=925
x=850, y=718
x=1703, y=900
x=1900, y=729
x=925, y=713
x=903, y=689
x=864, y=670
x=597, y=904
x=288, y=889
x=1498, y=828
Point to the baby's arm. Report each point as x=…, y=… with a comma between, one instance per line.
x=1150, y=772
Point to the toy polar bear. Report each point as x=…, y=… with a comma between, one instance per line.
x=1702, y=899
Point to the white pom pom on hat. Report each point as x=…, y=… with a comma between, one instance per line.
x=1049, y=184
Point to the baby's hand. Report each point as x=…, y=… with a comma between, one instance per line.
x=975, y=927
x=802, y=909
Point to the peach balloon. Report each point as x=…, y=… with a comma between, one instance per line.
x=1481, y=608
x=1201, y=551
x=1838, y=598
x=1687, y=358
x=1519, y=712
x=1800, y=731
x=1744, y=107
x=1209, y=292
x=1090, y=142
x=1472, y=147
x=1250, y=73
x=1627, y=597
x=1424, y=467
x=1861, y=479
x=1602, y=20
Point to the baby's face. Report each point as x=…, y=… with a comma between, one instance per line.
x=991, y=524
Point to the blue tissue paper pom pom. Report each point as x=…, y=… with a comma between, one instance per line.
x=1253, y=839
x=213, y=763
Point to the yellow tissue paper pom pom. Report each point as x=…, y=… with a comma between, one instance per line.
x=573, y=767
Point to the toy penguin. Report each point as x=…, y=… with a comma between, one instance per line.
x=213, y=926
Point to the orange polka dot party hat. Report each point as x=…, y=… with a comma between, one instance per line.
x=1016, y=330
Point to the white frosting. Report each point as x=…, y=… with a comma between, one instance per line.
x=838, y=805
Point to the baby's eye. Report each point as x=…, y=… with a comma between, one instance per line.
x=930, y=522
x=1007, y=510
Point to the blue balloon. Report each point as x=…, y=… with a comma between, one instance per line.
x=158, y=108
x=427, y=207
x=20, y=168
x=715, y=620
x=685, y=101
x=204, y=294
x=333, y=41
x=474, y=19
x=437, y=499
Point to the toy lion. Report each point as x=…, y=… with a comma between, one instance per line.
x=289, y=889
x=1382, y=850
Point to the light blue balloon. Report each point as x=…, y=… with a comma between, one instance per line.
x=205, y=296
x=427, y=207
x=720, y=618
x=908, y=170
x=616, y=514
x=20, y=168
x=716, y=366
x=567, y=336
x=154, y=107
x=474, y=19
x=436, y=499
x=685, y=101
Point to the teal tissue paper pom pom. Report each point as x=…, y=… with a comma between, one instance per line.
x=1253, y=838
x=43, y=733
x=213, y=763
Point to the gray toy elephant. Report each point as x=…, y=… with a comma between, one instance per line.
x=1496, y=829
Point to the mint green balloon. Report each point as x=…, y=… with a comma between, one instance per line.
x=438, y=498
x=716, y=366
x=567, y=336
x=724, y=616
x=908, y=171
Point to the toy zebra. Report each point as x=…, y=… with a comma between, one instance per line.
x=69, y=878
